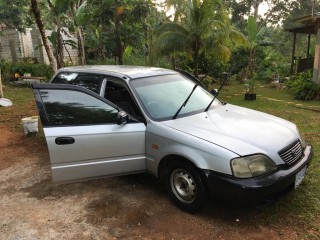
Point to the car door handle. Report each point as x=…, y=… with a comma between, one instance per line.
x=64, y=140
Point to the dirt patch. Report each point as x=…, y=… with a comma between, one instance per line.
x=127, y=207
x=15, y=147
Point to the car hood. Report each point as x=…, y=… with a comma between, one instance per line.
x=240, y=130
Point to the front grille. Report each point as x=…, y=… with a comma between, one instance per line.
x=292, y=153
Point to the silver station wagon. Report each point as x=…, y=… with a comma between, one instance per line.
x=113, y=120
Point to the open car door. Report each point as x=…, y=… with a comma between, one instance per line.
x=83, y=137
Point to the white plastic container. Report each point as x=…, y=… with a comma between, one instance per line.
x=30, y=125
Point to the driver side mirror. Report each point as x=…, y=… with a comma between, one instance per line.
x=214, y=91
x=122, y=118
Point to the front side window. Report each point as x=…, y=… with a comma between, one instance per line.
x=66, y=107
x=162, y=96
x=117, y=93
x=90, y=81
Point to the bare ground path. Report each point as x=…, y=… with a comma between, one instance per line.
x=128, y=207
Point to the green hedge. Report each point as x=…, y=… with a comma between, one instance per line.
x=38, y=70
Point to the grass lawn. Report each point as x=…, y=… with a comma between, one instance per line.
x=299, y=209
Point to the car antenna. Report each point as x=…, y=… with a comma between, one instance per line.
x=221, y=86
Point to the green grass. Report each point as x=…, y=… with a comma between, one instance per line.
x=299, y=209
x=23, y=106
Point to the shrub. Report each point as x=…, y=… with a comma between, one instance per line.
x=302, y=86
x=39, y=70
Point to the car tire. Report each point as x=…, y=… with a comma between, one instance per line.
x=185, y=186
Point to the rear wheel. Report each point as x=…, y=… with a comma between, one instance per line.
x=185, y=186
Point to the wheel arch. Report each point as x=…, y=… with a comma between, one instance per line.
x=166, y=160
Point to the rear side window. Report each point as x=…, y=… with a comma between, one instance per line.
x=90, y=81
x=66, y=107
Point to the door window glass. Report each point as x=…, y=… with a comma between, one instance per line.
x=89, y=81
x=66, y=107
x=117, y=93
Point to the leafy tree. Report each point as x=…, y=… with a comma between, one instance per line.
x=153, y=19
x=61, y=15
x=180, y=8
x=97, y=28
x=78, y=19
x=280, y=12
x=129, y=19
x=241, y=9
x=115, y=25
x=206, y=29
x=15, y=13
x=57, y=10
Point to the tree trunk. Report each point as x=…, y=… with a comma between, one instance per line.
x=196, y=61
x=59, y=50
x=196, y=70
x=37, y=16
x=119, y=48
x=256, y=9
x=251, y=64
x=151, y=51
x=81, y=53
x=173, y=61
x=146, y=44
x=79, y=32
x=119, y=51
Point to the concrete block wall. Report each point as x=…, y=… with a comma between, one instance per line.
x=15, y=46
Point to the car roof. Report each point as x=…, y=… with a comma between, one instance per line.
x=125, y=70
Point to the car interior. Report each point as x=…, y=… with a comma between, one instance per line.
x=118, y=94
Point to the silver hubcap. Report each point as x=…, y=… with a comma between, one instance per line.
x=183, y=185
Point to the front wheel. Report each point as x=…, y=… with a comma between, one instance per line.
x=185, y=186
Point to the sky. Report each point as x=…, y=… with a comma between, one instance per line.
x=263, y=8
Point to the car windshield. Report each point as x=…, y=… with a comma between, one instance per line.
x=162, y=96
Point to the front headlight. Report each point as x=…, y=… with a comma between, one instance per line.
x=251, y=166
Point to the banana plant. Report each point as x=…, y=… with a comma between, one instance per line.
x=255, y=39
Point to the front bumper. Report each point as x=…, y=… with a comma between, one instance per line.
x=256, y=190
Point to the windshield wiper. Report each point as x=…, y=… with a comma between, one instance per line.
x=215, y=96
x=185, y=102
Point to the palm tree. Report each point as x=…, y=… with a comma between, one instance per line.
x=179, y=7
x=37, y=14
x=205, y=29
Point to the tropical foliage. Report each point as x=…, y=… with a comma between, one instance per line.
x=302, y=86
x=205, y=28
x=206, y=37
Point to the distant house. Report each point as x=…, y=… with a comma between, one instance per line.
x=16, y=46
x=308, y=25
